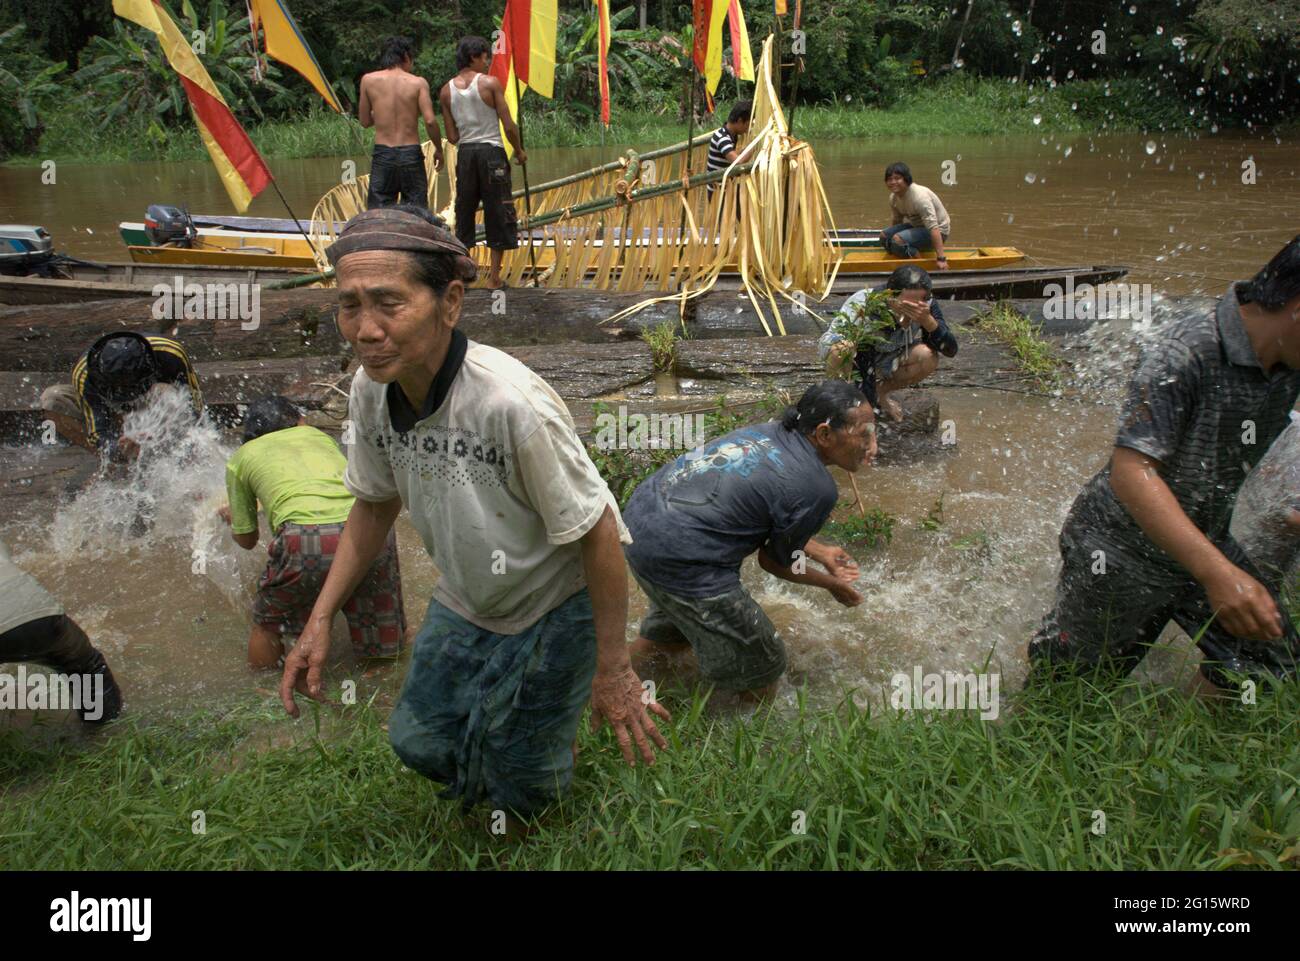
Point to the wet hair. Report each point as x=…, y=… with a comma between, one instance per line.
x=900, y=168
x=432, y=270
x=469, y=48
x=741, y=111
x=909, y=277
x=394, y=52
x=1278, y=282
x=269, y=414
x=831, y=400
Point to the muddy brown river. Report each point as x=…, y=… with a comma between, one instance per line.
x=970, y=592
x=1173, y=208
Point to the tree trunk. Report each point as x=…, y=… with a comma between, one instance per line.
x=961, y=34
x=641, y=20
x=1029, y=20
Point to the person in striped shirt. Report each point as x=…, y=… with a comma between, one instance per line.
x=722, y=148
x=117, y=374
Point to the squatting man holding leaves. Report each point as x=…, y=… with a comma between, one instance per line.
x=528, y=620
x=890, y=336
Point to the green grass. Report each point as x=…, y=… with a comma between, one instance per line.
x=953, y=106
x=1036, y=356
x=1182, y=784
x=663, y=344
x=874, y=529
x=933, y=520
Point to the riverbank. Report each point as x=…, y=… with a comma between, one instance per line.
x=952, y=107
x=1069, y=778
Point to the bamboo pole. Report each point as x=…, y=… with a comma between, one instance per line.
x=610, y=167
x=578, y=210
x=686, y=168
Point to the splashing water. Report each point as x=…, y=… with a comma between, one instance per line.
x=166, y=500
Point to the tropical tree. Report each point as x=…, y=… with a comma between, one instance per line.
x=128, y=75
x=26, y=85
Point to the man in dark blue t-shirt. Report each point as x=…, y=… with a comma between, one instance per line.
x=764, y=488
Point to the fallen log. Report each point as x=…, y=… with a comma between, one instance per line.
x=52, y=337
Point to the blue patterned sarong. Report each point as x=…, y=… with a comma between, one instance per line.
x=495, y=715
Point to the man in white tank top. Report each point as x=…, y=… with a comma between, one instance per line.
x=475, y=112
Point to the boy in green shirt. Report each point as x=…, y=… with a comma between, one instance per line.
x=296, y=472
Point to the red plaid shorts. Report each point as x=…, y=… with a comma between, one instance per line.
x=300, y=558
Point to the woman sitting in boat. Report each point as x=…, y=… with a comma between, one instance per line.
x=919, y=220
x=910, y=349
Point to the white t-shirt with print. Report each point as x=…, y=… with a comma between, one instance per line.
x=497, y=483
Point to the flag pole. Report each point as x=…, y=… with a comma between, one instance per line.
x=797, y=65
x=686, y=166
x=305, y=235
x=523, y=165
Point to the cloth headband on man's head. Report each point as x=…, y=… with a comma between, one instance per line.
x=388, y=229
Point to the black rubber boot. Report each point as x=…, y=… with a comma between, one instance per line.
x=111, y=705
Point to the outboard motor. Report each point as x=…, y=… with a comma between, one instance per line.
x=24, y=249
x=165, y=225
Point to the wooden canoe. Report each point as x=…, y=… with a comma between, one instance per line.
x=228, y=247
x=81, y=281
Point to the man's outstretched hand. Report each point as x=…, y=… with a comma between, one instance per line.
x=618, y=698
x=303, y=665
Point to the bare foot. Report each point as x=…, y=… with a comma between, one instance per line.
x=891, y=409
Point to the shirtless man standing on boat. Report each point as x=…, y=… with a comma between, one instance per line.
x=392, y=101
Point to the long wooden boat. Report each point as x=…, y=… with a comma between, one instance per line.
x=223, y=246
x=80, y=281
x=84, y=282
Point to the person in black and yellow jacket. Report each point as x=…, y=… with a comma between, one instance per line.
x=117, y=374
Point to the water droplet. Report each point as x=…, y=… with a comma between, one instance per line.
x=1074, y=106
x=1214, y=128
x=1030, y=177
x=1015, y=27
x=1151, y=146
x=1160, y=31
x=1035, y=58
x=1180, y=42
x=1133, y=9
x=1069, y=75
x=1068, y=151
x=1224, y=70
x=1038, y=118
x=1200, y=91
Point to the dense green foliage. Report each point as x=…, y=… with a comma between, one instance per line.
x=1177, y=63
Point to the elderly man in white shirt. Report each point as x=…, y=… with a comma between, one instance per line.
x=529, y=618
